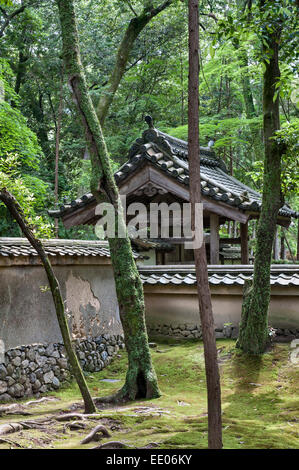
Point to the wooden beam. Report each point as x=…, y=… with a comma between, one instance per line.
x=244, y=243
x=214, y=239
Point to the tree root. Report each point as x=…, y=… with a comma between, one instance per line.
x=74, y=425
x=92, y=436
x=40, y=400
x=12, y=443
x=10, y=428
x=20, y=409
x=71, y=416
x=113, y=445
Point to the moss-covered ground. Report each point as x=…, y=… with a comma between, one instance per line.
x=259, y=401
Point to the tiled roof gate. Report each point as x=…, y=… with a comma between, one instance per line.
x=170, y=156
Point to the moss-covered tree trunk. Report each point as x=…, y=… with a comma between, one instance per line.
x=141, y=380
x=17, y=213
x=253, y=336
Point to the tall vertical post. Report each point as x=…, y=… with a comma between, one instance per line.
x=202, y=280
x=244, y=243
x=276, y=246
x=214, y=239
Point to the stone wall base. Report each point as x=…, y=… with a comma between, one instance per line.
x=39, y=368
x=191, y=331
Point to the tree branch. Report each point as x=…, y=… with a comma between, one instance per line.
x=136, y=25
x=8, y=18
x=131, y=7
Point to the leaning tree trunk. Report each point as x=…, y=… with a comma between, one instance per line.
x=141, y=380
x=254, y=336
x=17, y=213
x=204, y=295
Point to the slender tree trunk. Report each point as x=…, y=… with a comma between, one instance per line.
x=141, y=380
x=253, y=336
x=249, y=106
x=204, y=295
x=282, y=247
x=57, y=143
x=17, y=213
x=182, y=89
x=276, y=248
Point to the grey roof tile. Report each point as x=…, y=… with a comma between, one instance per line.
x=281, y=275
x=170, y=155
x=14, y=247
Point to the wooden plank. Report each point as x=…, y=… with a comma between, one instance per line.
x=244, y=243
x=214, y=239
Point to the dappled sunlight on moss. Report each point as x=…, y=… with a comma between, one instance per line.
x=259, y=401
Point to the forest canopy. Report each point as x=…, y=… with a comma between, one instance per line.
x=36, y=102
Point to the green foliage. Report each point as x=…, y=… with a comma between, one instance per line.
x=11, y=179
x=155, y=83
x=288, y=137
x=16, y=137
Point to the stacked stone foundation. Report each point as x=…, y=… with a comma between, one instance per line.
x=39, y=368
